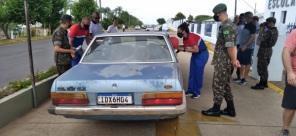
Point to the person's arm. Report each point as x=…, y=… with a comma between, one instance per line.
x=289, y=50
x=273, y=37
x=251, y=38
x=229, y=35
x=286, y=56
x=57, y=43
x=109, y=29
x=57, y=48
x=193, y=49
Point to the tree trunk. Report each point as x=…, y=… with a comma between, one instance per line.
x=4, y=28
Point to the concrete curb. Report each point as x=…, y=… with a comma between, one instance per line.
x=21, y=102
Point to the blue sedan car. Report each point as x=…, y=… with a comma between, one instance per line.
x=122, y=76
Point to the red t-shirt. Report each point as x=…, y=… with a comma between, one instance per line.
x=291, y=44
x=78, y=34
x=193, y=39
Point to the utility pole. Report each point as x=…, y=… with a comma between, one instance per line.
x=255, y=10
x=30, y=52
x=235, y=8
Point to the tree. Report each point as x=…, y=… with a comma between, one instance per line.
x=53, y=14
x=4, y=23
x=161, y=21
x=190, y=18
x=180, y=16
x=201, y=18
x=83, y=8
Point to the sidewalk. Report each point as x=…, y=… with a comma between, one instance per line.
x=259, y=113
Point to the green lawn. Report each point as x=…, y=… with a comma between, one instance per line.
x=21, y=40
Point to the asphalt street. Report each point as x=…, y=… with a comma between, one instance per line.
x=14, y=60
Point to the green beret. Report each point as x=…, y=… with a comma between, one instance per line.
x=219, y=8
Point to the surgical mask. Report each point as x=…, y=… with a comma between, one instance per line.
x=216, y=18
x=86, y=26
x=180, y=35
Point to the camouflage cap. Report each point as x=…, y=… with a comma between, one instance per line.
x=219, y=8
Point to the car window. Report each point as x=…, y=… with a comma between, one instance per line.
x=115, y=49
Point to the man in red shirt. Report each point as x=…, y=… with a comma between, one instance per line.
x=78, y=33
x=289, y=99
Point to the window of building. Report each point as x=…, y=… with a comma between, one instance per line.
x=208, y=29
x=283, y=17
x=272, y=14
x=198, y=28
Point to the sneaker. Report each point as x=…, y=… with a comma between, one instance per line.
x=188, y=93
x=284, y=132
x=237, y=80
x=243, y=82
x=195, y=96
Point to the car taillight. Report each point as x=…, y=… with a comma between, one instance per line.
x=75, y=98
x=163, y=98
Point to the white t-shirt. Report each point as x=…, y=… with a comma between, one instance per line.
x=112, y=29
x=95, y=29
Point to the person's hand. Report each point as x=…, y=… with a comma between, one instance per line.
x=244, y=48
x=236, y=64
x=72, y=52
x=291, y=78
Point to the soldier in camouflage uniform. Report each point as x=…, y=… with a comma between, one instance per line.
x=62, y=49
x=224, y=60
x=268, y=39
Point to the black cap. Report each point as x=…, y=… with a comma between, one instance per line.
x=271, y=20
x=66, y=18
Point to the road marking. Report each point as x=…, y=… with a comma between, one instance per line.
x=275, y=88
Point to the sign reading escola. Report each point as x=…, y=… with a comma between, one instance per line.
x=274, y=4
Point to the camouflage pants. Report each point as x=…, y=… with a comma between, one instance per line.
x=221, y=83
x=63, y=68
x=264, y=56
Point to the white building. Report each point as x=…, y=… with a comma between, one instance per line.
x=283, y=10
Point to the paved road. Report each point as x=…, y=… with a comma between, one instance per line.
x=14, y=60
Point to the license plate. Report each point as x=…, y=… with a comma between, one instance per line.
x=115, y=98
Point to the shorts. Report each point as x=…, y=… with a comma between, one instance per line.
x=289, y=101
x=245, y=58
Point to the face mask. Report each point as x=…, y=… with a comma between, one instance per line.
x=86, y=26
x=69, y=26
x=180, y=35
x=216, y=18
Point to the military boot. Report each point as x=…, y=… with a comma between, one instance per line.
x=229, y=110
x=214, y=111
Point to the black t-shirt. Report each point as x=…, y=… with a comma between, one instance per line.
x=251, y=27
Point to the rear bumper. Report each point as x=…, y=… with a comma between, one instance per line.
x=118, y=111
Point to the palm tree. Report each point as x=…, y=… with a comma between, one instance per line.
x=180, y=16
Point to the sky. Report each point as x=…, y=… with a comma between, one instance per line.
x=149, y=11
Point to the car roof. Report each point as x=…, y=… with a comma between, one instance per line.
x=133, y=34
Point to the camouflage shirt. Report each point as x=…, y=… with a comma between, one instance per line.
x=226, y=38
x=269, y=38
x=60, y=38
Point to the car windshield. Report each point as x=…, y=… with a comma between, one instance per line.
x=117, y=49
